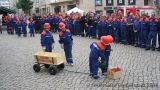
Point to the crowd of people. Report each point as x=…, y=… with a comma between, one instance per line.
x=137, y=30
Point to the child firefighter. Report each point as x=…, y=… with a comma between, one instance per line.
x=47, y=39
x=66, y=42
x=100, y=49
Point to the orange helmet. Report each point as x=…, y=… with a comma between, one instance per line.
x=61, y=25
x=47, y=25
x=106, y=40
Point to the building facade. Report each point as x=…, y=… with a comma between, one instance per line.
x=105, y=6
x=5, y=3
x=108, y=6
x=55, y=6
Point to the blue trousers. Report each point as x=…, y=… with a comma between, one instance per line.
x=68, y=52
x=91, y=31
x=19, y=32
x=143, y=38
x=32, y=33
x=93, y=64
x=24, y=32
x=116, y=35
x=137, y=38
x=152, y=37
x=100, y=33
x=111, y=32
x=124, y=36
x=48, y=48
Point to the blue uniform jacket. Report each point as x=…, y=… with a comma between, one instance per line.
x=24, y=26
x=153, y=26
x=47, y=38
x=97, y=52
x=65, y=37
x=31, y=27
x=18, y=26
x=143, y=25
x=116, y=25
x=136, y=25
x=130, y=20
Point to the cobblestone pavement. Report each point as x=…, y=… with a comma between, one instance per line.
x=141, y=69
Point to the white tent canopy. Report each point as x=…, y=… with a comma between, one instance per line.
x=74, y=10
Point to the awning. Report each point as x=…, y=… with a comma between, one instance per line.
x=6, y=10
x=74, y=10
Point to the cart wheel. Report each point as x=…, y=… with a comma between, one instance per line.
x=61, y=66
x=53, y=70
x=36, y=67
x=46, y=65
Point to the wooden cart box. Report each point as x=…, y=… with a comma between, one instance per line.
x=115, y=73
x=42, y=57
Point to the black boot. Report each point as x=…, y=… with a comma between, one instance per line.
x=158, y=49
x=147, y=48
x=153, y=49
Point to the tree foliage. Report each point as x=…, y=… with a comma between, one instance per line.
x=25, y=5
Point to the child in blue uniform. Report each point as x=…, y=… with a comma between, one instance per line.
x=47, y=39
x=66, y=42
x=19, y=28
x=101, y=49
x=24, y=28
x=31, y=26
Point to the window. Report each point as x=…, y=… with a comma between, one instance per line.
x=109, y=2
x=98, y=2
x=145, y=2
x=120, y=2
x=131, y=2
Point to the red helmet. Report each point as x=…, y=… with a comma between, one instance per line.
x=106, y=40
x=61, y=25
x=47, y=25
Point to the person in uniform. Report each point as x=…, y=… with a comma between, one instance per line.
x=24, y=28
x=66, y=41
x=31, y=27
x=123, y=27
x=19, y=28
x=136, y=26
x=100, y=49
x=152, y=36
x=47, y=40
